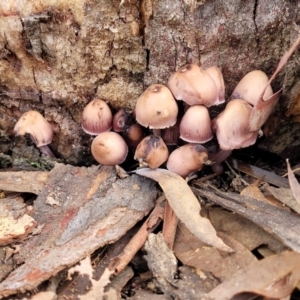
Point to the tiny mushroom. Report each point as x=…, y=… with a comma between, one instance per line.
x=231, y=126
x=133, y=135
x=121, y=119
x=41, y=131
x=96, y=117
x=232, y=130
x=187, y=159
x=215, y=73
x=109, y=149
x=151, y=151
x=156, y=108
x=251, y=87
x=194, y=85
x=195, y=126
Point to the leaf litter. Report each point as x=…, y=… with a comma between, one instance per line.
x=208, y=271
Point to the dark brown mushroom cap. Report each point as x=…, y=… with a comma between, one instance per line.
x=133, y=135
x=109, y=149
x=96, y=117
x=121, y=119
x=151, y=151
x=251, y=86
x=195, y=126
x=232, y=126
x=33, y=122
x=187, y=159
x=193, y=85
x=156, y=108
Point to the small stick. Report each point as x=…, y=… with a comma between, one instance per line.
x=138, y=240
x=169, y=226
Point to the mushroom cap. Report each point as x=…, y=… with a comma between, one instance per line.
x=195, y=125
x=187, y=159
x=251, y=86
x=134, y=135
x=152, y=151
x=232, y=126
x=121, y=119
x=109, y=149
x=215, y=73
x=33, y=122
x=193, y=85
x=156, y=108
x=96, y=117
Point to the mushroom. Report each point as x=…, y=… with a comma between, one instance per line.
x=232, y=130
x=133, y=135
x=41, y=132
x=251, y=87
x=151, y=152
x=96, y=117
x=156, y=108
x=187, y=159
x=215, y=73
x=231, y=126
x=195, y=126
x=239, y=124
x=121, y=119
x=193, y=85
x=109, y=149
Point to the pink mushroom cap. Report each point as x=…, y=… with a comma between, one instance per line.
x=156, y=108
x=195, y=126
x=96, y=117
x=109, y=149
x=232, y=126
x=193, y=85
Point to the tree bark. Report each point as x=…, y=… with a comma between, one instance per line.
x=57, y=56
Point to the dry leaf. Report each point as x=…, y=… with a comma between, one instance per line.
x=285, y=196
x=253, y=191
x=294, y=184
x=279, y=222
x=185, y=205
x=264, y=107
x=242, y=230
x=193, y=252
x=273, y=277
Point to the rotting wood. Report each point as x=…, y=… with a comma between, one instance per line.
x=95, y=209
x=23, y=181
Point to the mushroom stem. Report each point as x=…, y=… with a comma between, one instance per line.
x=218, y=158
x=46, y=150
x=157, y=132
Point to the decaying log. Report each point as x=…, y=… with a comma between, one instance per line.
x=57, y=57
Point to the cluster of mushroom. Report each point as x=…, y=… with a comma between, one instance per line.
x=157, y=110
x=237, y=126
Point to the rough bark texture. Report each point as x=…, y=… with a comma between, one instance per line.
x=56, y=56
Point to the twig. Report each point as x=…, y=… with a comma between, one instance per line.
x=137, y=242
